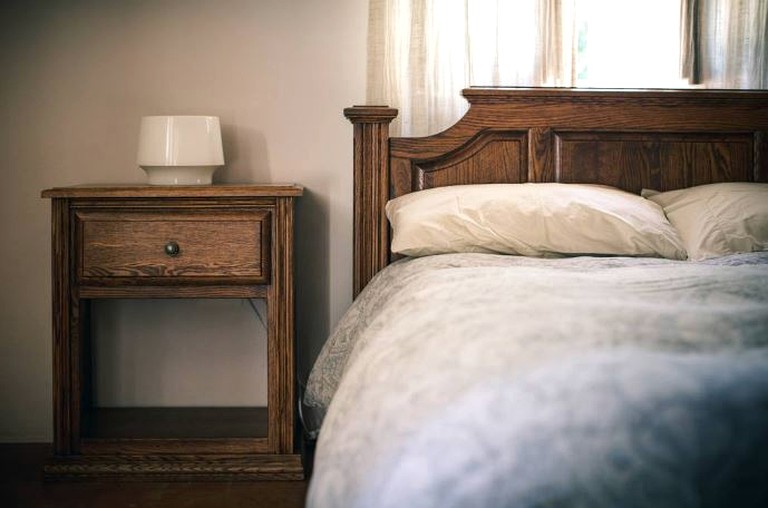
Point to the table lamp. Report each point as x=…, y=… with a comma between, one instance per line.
x=180, y=150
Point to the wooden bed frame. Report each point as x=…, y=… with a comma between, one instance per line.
x=631, y=139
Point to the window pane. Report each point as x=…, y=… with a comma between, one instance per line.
x=502, y=42
x=627, y=43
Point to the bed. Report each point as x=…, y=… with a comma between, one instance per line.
x=565, y=342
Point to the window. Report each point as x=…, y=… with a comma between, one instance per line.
x=626, y=44
x=422, y=53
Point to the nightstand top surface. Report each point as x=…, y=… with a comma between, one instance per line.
x=175, y=191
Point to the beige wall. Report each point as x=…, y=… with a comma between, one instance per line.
x=77, y=76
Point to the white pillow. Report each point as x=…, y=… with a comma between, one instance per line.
x=531, y=219
x=718, y=219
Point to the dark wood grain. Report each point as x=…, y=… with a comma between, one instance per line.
x=227, y=191
x=61, y=284
x=20, y=487
x=630, y=139
x=212, y=244
x=208, y=288
x=139, y=446
x=478, y=163
x=371, y=189
x=185, y=468
x=108, y=242
x=281, y=398
x=634, y=161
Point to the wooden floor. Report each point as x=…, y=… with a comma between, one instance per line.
x=20, y=486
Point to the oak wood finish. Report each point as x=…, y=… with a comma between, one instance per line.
x=207, y=467
x=131, y=245
x=371, y=183
x=630, y=139
x=109, y=242
x=229, y=191
x=20, y=486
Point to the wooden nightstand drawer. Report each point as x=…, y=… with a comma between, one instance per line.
x=169, y=246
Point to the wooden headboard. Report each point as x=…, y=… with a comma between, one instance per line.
x=660, y=139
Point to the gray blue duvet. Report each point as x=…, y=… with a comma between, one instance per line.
x=490, y=381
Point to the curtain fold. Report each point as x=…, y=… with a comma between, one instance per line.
x=730, y=48
x=690, y=40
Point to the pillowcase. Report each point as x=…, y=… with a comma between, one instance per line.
x=531, y=219
x=718, y=219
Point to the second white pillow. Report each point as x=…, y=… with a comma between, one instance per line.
x=718, y=219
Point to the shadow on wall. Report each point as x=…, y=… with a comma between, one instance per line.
x=247, y=160
x=245, y=151
x=311, y=279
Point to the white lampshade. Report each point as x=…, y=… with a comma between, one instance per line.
x=180, y=150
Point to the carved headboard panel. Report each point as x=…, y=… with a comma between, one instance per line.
x=660, y=139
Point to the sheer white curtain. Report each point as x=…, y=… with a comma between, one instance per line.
x=423, y=52
x=732, y=43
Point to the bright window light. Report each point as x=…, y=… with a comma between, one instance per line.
x=627, y=43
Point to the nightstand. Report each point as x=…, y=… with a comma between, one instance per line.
x=220, y=241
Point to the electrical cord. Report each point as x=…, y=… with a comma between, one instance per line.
x=310, y=433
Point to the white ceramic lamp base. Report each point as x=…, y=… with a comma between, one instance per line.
x=180, y=175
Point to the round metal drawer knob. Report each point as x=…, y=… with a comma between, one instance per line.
x=172, y=249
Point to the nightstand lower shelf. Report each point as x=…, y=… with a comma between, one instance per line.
x=176, y=422
x=153, y=444
x=175, y=467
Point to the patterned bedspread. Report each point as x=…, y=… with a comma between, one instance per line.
x=482, y=380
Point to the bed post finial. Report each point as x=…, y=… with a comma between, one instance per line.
x=371, y=189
